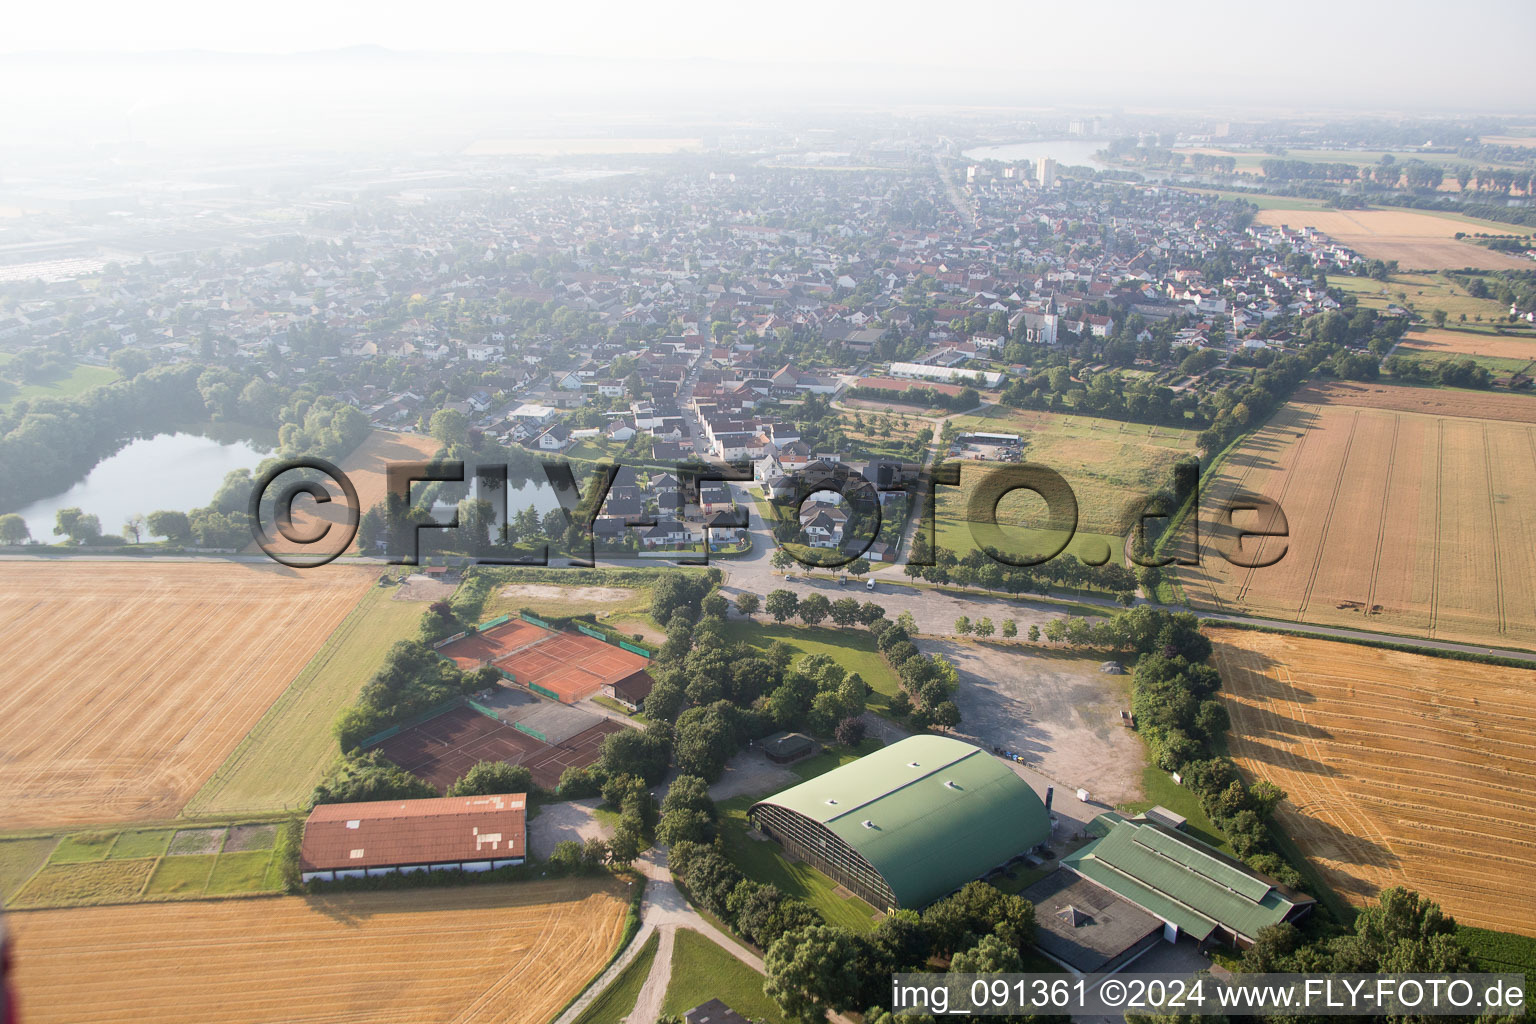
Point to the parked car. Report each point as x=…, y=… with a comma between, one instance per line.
x=869, y=584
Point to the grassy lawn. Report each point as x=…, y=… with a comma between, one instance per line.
x=239, y=872
x=83, y=846
x=1264, y=202
x=182, y=876
x=1422, y=293
x=702, y=971
x=132, y=845
x=760, y=859
x=619, y=997
x=1111, y=467
x=279, y=762
x=1160, y=789
x=854, y=649
x=20, y=859
x=79, y=380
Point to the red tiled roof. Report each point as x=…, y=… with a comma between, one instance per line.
x=384, y=833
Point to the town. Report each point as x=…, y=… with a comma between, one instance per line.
x=696, y=574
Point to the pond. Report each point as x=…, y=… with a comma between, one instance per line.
x=175, y=472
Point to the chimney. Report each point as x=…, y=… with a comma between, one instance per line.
x=1050, y=791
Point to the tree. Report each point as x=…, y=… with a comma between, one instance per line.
x=781, y=559
x=814, y=608
x=782, y=605
x=1438, y=316
x=859, y=567
x=687, y=814
x=134, y=527
x=812, y=970
x=493, y=778
x=908, y=622
x=945, y=715
x=1034, y=634
x=963, y=625
x=450, y=427
x=845, y=611
x=850, y=731
x=747, y=604
x=13, y=529
x=566, y=856
x=77, y=526
x=989, y=956
x=983, y=628
x=1010, y=628
x=171, y=525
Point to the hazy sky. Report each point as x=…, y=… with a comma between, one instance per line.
x=1367, y=55
x=1403, y=38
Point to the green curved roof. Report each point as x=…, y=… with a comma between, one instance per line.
x=942, y=811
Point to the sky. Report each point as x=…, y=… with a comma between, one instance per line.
x=1405, y=42
x=81, y=71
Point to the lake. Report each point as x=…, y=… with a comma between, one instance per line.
x=176, y=472
x=1066, y=152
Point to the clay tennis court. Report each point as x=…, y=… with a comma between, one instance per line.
x=569, y=666
x=128, y=684
x=440, y=750
x=494, y=954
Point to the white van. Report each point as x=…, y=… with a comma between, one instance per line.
x=869, y=584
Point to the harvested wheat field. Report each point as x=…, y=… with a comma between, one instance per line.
x=1475, y=405
x=1468, y=343
x=483, y=953
x=127, y=685
x=1400, y=769
x=1417, y=241
x=1398, y=522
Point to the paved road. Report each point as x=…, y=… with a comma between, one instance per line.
x=664, y=910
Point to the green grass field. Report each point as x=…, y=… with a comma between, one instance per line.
x=1160, y=789
x=1422, y=293
x=619, y=998
x=20, y=860
x=134, y=865
x=82, y=847
x=79, y=380
x=239, y=872
x=182, y=876
x=1111, y=466
x=133, y=845
x=1265, y=202
x=278, y=763
x=702, y=971
x=853, y=649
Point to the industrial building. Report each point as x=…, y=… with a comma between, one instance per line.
x=1109, y=901
x=910, y=823
x=382, y=837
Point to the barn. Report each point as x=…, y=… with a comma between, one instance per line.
x=383, y=837
x=910, y=823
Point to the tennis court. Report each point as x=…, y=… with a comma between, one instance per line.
x=566, y=666
x=441, y=749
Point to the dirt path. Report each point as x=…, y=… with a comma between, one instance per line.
x=653, y=993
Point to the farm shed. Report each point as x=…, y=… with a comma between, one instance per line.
x=911, y=822
x=1193, y=888
x=382, y=837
